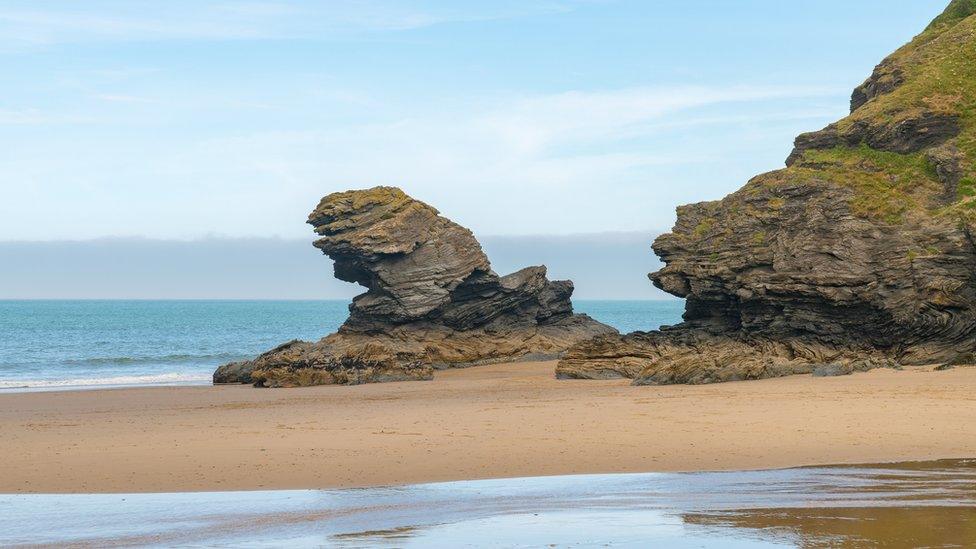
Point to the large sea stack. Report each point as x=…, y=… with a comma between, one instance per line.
x=859, y=254
x=432, y=301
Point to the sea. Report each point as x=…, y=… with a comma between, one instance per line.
x=77, y=344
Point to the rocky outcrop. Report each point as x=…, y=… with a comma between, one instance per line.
x=948, y=163
x=909, y=134
x=432, y=301
x=886, y=77
x=860, y=254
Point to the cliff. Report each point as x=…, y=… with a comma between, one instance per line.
x=432, y=301
x=859, y=254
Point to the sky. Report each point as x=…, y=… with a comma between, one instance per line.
x=215, y=119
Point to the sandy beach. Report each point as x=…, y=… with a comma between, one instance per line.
x=507, y=420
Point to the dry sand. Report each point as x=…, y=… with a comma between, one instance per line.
x=491, y=421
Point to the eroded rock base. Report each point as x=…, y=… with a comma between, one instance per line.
x=406, y=353
x=697, y=357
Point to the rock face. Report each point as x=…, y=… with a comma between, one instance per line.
x=432, y=301
x=859, y=254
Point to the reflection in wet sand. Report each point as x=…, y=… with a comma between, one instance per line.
x=849, y=527
x=903, y=505
x=907, y=505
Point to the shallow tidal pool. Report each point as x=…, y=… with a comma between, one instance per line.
x=929, y=504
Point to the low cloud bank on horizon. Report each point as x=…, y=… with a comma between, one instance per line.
x=602, y=266
x=553, y=116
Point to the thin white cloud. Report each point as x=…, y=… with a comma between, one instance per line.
x=586, y=161
x=35, y=117
x=551, y=150
x=824, y=113
x=34, y=27
x=523, y=134
x=122, y=98
x=537, y=122
x=24, y=24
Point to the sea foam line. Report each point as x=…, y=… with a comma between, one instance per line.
x=154, y=379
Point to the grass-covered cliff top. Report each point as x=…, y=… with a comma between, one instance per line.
x=957, y=10
x=931, y=78
x=938, y=69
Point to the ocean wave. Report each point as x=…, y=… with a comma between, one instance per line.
x=153, y=379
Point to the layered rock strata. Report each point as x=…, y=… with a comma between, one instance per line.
x=859, y=254
x=432, y=301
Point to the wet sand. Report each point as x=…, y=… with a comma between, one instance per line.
x=510, y=420
x=917, y=504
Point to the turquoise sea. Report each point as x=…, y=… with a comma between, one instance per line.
x=64, y=343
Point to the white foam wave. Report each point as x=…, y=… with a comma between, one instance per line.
x=173, y=378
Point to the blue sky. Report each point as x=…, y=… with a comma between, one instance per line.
x=184, y=119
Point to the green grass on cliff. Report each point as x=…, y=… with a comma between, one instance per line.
x=935, y=74
x=939, y=71
x=940, y=76
x=955, y=12
x=886, y=184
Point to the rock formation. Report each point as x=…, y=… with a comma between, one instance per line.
x=859, y=254
x=432, y=301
